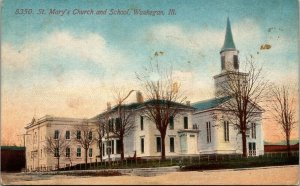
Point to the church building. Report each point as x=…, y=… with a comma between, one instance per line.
x=217, y=131
x=203, y=127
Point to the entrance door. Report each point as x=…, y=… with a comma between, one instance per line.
x=183, y=145
x=252, y=148
x=192, y=145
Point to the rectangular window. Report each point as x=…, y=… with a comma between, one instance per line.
x=118, y=124
x=67, y=134
x=235, y=62
x=172, y=148
x=208, y=132
x=158, y=144
x=111, y=125
x=78, y=152
x=142, y=145
x=103, y=149
x=108, y=147
x=247, y=132
x=252, y=149
x=56, y=134
x=171, y=121
x=78, y=135
x=68, y=152
x=142, y=122
x=226, y=130
x=222, y=62
x=186, y=124
x=90, y=135
x=253, y=130
x=90, y=152
x=112, y=146
x=103, y=130
x=118, y=146
x=56, y=152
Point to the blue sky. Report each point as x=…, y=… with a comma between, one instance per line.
x=67, y=65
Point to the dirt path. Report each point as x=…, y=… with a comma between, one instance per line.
x=288, y=175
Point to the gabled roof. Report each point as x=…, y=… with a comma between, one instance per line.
x=134, y=106
x=228, y=42
x=209, y=103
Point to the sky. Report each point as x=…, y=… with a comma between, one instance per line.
x=67, y=65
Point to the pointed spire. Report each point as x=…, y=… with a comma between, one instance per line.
x=228, y=43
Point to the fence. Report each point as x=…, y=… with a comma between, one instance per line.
x=170, y=161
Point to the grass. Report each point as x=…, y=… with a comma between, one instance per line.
x=242, y=163
x=98, y=173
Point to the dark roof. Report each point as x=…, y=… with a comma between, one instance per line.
x=228, y=42
x=133, y=106
x=12, y=148
x=209, y=103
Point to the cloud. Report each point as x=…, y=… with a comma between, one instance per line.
x=15, y=58
x=180, y=37
x=246, y=33
x=89, y=47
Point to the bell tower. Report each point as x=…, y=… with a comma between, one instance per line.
x=229, y=60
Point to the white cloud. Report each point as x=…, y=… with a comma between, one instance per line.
x=178, y=36
x=90, y=47
x=15, y=58
x=246, y=33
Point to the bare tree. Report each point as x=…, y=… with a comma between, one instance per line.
x=105, y=131
x=283, y=109
x=124, y=123
x=101, y=135
x=162, y=95
x=242, y=93
x=56, y=145
x=84, y=136
x=70, y=155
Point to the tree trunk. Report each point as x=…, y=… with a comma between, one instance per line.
x=163, y=148
x=85, y=157
x=288, y=145
x=100, y=150
x=58, y=163
x=122, y=148
x=244, y=143
x=108, y=154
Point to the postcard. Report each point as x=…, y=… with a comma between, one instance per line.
x=149, y=92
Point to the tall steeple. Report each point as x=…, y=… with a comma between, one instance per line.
x=229, y=53
x=228, y=42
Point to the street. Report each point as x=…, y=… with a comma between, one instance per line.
x=285, y=175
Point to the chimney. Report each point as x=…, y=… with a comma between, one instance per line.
x=139, y=97
x=108, y=106
x=188, y=103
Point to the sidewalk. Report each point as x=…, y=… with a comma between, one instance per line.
x=279, y=175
